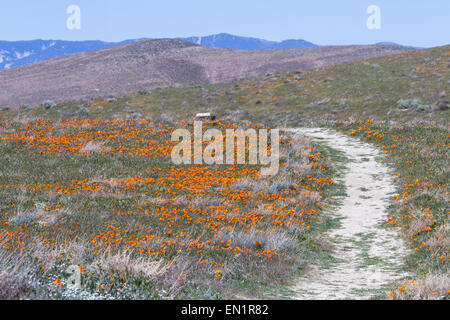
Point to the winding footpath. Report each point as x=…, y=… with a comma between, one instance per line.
x=367, y=255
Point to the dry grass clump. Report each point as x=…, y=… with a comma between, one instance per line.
x=39, y=215
x=430, y=287
x=265, y=185
x=94, y=147
x=309, y=197
x=270, y=185
x=174, y=277
x=183, y=201
x=440, y=239
x=18, y=278
x=278, y=241
x=27, y=218
x=74, y=251
x=18, y=285
x=127, y=265
x=420, y=224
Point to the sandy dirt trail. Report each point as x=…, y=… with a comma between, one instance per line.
x=368, y=255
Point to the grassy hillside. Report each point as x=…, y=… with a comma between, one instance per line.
x=161, y=63
x=83, y=186
x=366, y=90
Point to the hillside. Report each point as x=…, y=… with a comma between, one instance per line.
x=90, y=184
x=363, y=90
x=159, y=64
x=17, y=53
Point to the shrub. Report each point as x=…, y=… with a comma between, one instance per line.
x=83, y=112
x=48, y=104
x=412, y=104
x=144, y=92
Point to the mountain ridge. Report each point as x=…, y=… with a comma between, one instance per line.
x=150, y=64
x=17, y=53
x=229, y=41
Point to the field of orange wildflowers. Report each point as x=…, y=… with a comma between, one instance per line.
x=90, y=184
x=103, y=196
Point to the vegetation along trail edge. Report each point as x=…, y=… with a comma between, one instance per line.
x=367, y=255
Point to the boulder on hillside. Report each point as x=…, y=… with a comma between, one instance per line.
x=443, y=105
x=208, y=116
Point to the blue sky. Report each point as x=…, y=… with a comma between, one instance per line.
x=412, y=22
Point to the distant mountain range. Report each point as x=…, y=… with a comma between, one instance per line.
x=17, y=53
x=229, y=41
